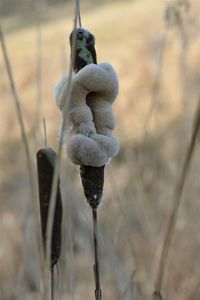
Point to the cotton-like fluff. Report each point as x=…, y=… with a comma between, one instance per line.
x=93, y=91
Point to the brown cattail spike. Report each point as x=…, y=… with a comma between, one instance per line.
x=92, y=181
x=45, y=164
x=85, y=52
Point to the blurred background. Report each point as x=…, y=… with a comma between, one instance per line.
x=154, y=46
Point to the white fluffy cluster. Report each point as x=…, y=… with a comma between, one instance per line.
x=90, y=141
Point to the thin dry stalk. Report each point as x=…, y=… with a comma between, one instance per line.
x=38, y=74
x=63, y=60
x=52, y=284
x=78, y=12
x=172, y=11
x=178, y=192
x=128, y=285
x=20, y=117
x=52, y=202
x=71, y=257
x=98, y=293
x=156, y=87
x=118, y=198
x=122, y=211
x=45, y=134
x=17, y=102
x=116, y=263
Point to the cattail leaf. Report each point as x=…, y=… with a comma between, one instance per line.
x=46, y=159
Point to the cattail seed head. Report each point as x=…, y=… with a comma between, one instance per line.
x=92, y=180
x=46, y=159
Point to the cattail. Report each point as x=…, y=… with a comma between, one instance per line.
x=90, y=143
x=46, y=159
x=85, y=52
x=92, y=176
x=92, y=180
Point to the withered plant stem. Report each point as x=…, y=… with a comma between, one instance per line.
x=19, y=115
x=38, y=75
x=177, y=200
x=52, y=283
x=52, y=202
x=25, y=141
x=45, y=134
x=78, y=12
x=98, y=293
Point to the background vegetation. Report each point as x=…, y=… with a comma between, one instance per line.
x=155, y=51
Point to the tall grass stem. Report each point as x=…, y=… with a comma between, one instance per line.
x=178, y=192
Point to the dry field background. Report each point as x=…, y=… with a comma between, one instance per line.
x=157, y=61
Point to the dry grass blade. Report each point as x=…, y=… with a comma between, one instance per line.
x=78, y=12
x=45, y=133
x=177, y=199
x=52, y=202
x=19, y=115
x=128, y=285
x=39, y=74
x=156, y=87
x=25, y=142
x=98, y=293
x=122, y=210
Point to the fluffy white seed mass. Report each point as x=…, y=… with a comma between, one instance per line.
x=93, y=90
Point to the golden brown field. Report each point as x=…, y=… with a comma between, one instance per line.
x=157, y=62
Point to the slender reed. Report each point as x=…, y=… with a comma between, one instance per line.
x=173, y=17
x=17, y=102
x=45, y=133
x=20, y=118
x=98, y=293
x=38, y=74
x=78, y=12
x=52, y=202
x=156, y=87
x=178, y=192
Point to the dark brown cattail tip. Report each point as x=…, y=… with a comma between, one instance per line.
x=93, y=181
x=46, y=159
x=85, y=52
x=157, y=296
x=98, y=294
